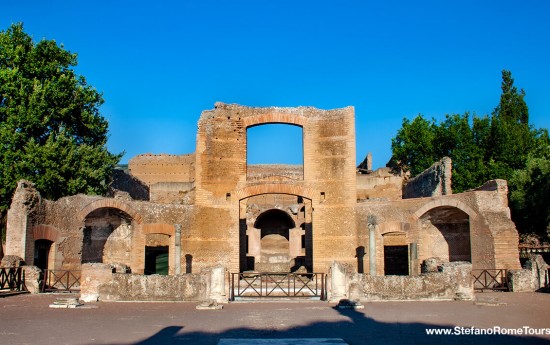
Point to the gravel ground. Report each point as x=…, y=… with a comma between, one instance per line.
x=27, y=319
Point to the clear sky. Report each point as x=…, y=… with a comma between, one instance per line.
x=160, y=63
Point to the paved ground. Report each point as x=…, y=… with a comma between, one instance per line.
x=27, y=319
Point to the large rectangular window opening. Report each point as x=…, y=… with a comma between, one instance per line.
x=275, y=152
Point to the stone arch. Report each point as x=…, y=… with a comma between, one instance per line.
x=45, y=232
x=446, y=232
x=159, y=248
x=109, y=203
x=45, y=246
x=446, y=202
x=287, y=118
x=274, y=188
x=107, y=228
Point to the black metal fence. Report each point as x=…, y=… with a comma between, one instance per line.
x=278, y=285
x=60, y=281
x=491, y=279
x=12, y=279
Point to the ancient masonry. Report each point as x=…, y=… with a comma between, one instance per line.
x=174, y=215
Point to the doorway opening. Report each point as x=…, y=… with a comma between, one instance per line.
x=156, y=260
x=42, y=250
x=275, y=232
x=396, y=260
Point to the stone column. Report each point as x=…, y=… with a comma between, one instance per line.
x=413, y=257
x=372, y=250
x=177, y=249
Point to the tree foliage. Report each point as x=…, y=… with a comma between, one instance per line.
x=503, y=145
x=51, y=131
x=530, y=196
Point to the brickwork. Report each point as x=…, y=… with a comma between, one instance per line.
x=316, y=213
x=151, y=169
x=379, y=184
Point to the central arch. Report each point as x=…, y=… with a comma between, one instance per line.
x=275, y=233
x=275, y=226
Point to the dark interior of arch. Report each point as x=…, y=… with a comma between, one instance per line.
x=274, y=222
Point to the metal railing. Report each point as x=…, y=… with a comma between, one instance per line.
x=12, y=278
x=277, y=285
x=60, y=281
x=491, y=279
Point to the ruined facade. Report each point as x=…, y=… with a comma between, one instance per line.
x=181, y=214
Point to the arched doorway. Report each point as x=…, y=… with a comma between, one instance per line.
x=42, y=254
x=157, y=254
x=276, y=233
x=274, y=226
x=445, y=233
x=107, y=236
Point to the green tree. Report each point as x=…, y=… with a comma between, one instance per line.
x=511, y=136
x=51, y=131
x=413, y=146
x=530, y=194
x=503, y=146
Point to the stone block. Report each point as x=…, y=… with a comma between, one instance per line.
x=32, y=278
x=520, y=280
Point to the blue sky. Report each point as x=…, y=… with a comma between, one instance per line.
x=160, y=63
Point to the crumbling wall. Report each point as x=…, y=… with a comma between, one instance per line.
x=99, y=282
x=534, y=277
x=454, y=281
x=274, y=172
x=182, y=193
x=379, y=184
x=150, y=168
x=133, y=287
x=481, y=215
x=434, y=181
x=26, y=211
x=124, y=182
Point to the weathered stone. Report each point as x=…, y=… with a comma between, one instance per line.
x=539, y=271
x=339, y=283
x=431, y=265
x=451, y=283
x=434, y=181
x=520, y=280
x=215, y=283
x=12, y=261
x=209, y=305
x=92, y=277
x=133, y=287
x=33, y=282
x=533, y=278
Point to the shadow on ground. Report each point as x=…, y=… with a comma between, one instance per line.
x=358, y=329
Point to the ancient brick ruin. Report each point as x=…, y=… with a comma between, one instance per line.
x=211, y=208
